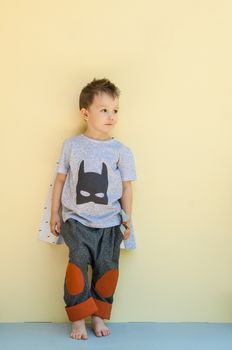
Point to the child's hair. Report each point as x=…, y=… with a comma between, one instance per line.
x=94, y=88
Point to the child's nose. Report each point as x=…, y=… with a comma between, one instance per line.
x=110, y=118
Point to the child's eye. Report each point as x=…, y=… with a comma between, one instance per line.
x=105, y=110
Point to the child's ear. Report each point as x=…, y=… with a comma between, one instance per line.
x=84, y=114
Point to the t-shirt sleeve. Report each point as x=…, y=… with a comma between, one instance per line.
x=126, y=165
x=63, y=163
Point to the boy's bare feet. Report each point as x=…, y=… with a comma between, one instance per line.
x=99, y=326
x=79, y=330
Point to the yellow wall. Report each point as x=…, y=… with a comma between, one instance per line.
x=172, y=62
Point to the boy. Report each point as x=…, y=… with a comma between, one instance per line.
x=93, y=183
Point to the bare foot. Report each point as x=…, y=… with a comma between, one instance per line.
x=79, y=330
x=99, y=326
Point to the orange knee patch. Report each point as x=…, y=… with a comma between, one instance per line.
x=106, y=284
x=75, y=282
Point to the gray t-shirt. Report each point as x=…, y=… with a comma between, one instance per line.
x=95, y=170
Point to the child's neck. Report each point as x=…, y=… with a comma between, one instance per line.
x=97, y=135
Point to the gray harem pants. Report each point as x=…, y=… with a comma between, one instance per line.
x=100, y=248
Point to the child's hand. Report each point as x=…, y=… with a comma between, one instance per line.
x=55, y=224
x=126, y=234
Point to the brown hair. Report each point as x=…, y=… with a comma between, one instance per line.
x=94, y=88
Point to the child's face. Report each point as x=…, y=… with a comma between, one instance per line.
x=102, y=115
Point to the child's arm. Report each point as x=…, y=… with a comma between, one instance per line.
x=56, y=201
x=126, y=204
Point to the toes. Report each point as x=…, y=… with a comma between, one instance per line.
x=105, y=332
x=78, y=335
x=102, y=332
x=73, y=335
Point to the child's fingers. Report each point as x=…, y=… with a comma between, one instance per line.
x=127, y=234
x=126, y=224
x=55, y=233
x=58, y=227
x=54, y=229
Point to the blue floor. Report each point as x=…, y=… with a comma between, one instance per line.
x=142, y=336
